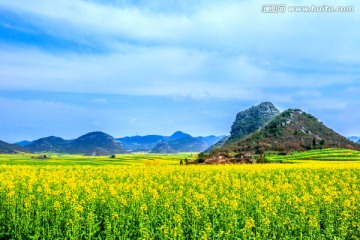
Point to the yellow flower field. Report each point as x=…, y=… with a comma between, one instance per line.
x=275, y=201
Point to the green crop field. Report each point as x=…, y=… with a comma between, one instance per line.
x=147, y=196
x=331, y=154
x=120, y=159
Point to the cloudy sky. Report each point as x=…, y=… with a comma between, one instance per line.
x=128, y=67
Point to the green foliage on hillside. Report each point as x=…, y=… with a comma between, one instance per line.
x=292, y=130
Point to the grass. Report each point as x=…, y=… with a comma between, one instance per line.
x=329, y=154
x=120, y=159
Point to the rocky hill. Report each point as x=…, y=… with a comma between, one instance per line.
x=292, y=130
x=163, y=147
x=358, y=142
x=88, y=143
x=48, y=144
x=10, y=148
x=250, y=120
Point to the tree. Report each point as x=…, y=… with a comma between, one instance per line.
x=314, y=143
x=262, y=158
x=181, y=162
x=308, y=146
x=201, y=158
x=322, y=143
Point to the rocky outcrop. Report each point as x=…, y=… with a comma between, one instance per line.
x=252, y=119
x=292, y=130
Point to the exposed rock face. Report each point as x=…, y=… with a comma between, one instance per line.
x=252, y=119
x=163, y=147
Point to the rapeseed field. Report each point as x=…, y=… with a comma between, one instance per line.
x=314, y=200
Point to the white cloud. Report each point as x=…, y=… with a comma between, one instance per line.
x=206, y=50
x=161, y=71
x=222, y=25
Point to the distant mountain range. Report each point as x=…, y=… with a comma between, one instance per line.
x=354, y=139
x=217, y=145
x=99, y=143
x=10, y=148
x=178, y=142
x=291, y=130
x=257, y=129
x=94, y=143
x=140, y=143
x=163, y=147
x=47, y=144
x=23, y=143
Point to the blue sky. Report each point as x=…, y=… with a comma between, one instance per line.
x=154, y=67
